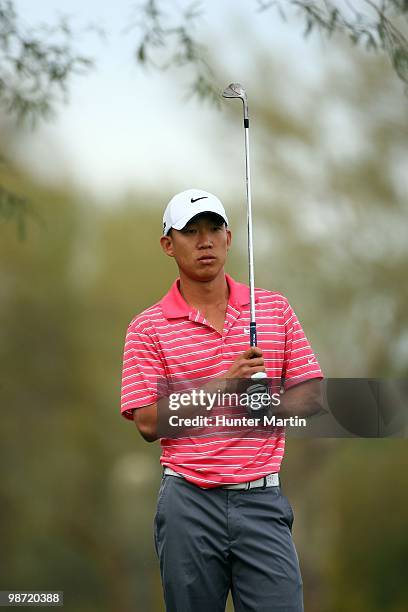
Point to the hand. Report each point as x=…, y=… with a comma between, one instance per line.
x=246, y=364
x=244, y=367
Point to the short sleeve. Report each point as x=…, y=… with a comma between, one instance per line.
x=300, y=363
x=142, y=371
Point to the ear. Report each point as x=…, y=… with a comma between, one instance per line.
x=166, y=244
x=229, y=238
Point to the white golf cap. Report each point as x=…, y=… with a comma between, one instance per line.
x=186, y=205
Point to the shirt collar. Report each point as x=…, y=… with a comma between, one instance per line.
x=174, y=305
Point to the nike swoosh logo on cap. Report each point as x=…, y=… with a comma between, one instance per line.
x=196, y=199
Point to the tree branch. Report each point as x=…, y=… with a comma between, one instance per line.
x=35, y=65
x=377, y=34
x=17, y=208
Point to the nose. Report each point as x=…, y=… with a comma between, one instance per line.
x=204, y=239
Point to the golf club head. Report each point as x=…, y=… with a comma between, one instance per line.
x=235, y=90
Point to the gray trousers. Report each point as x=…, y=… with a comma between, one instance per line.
x=209, y=541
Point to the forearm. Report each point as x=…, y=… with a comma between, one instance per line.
x=153, y=421
x=303, y=400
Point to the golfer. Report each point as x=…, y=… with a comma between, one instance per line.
x=222, y=521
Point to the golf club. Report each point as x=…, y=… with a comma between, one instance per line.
x=235, y=90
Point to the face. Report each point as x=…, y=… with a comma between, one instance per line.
x=200, y=248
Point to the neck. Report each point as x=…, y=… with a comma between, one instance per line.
x=204, y=294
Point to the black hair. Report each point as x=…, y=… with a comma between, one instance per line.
x=216, y=218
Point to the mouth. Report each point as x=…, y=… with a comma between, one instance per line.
x=206, y=259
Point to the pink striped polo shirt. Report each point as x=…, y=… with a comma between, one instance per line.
x=172, y=340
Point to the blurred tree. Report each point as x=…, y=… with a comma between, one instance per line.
x=14, y=205
x=36, y=65
x=64, y=524
x=167, y=42
x=368, y=543
x=337, y=203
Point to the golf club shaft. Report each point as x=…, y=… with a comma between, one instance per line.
x=252, y=324
x=235, y=90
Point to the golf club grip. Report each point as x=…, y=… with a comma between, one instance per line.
x=252, y=340
x=252, y=333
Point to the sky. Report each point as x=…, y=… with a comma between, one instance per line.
x=123, y=129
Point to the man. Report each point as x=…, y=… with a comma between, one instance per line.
x=222, y=521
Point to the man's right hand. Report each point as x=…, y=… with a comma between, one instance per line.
x=247, y=364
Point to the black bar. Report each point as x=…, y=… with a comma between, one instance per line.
x=252, y=334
